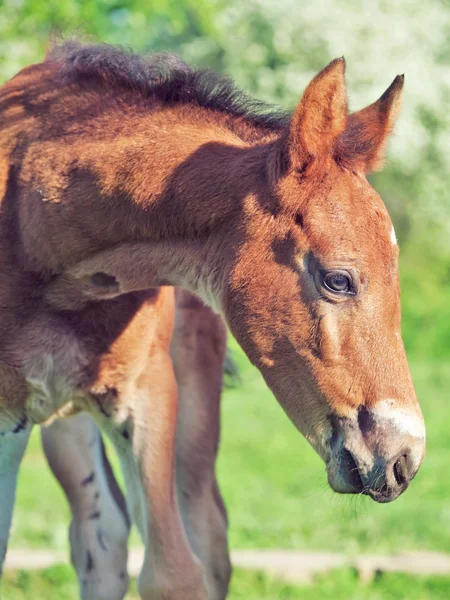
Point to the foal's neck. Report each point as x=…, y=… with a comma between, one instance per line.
x=185, y=177
x=185, y=190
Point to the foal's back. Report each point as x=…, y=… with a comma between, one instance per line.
x=72, y=126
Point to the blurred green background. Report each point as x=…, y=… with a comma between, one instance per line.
x=274, y=485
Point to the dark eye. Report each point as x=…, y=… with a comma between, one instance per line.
x=338, y=282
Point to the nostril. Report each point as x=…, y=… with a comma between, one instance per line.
x=400, y=473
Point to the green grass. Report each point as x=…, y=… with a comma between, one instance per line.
x=277, y=496
x=276, y=489
x=58, y=583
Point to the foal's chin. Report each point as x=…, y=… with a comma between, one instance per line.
x=350, y=482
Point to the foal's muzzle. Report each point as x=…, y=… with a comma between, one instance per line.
x=386, y=480
x=374, y=456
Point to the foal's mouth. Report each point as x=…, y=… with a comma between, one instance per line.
x=352, y=472
x=377, y=452
x=384, y=484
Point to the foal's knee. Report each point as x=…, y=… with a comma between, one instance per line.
x=185, y=582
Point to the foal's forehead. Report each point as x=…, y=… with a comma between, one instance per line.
x=349, y=219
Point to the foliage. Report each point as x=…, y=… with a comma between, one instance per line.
x=272, y=49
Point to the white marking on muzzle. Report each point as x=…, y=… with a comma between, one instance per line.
x=404, y=421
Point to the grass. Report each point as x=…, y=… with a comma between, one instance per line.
x=275, y=486
x=58, y=583
x=277, y=496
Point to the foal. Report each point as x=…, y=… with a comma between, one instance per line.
x=122, y=175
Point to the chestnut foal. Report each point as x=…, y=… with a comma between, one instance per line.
x=121, y=175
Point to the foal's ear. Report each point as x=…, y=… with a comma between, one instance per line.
x=363, y=142
x=320, y=117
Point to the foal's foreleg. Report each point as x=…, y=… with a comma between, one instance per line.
x=99, y=528
x=12, y=447
x=198, y=352
x=143, y=431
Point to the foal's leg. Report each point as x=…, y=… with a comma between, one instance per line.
x=12, y=447
x=145, y=442
x=136, y=402
x=198, y=352
x=100, y=526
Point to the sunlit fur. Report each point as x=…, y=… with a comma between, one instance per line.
x=121, y=175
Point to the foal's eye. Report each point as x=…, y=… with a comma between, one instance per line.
x=338, y=282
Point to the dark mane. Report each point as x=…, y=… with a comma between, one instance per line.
x=162, y=77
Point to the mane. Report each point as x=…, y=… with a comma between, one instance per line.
x=164, y=78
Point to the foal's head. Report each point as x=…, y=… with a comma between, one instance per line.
x=313, y=295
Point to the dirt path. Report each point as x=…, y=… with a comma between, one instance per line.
x=287, y=565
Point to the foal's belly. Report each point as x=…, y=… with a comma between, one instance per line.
x=83, y=360
x=45, y=368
